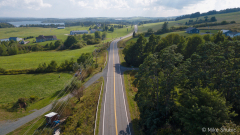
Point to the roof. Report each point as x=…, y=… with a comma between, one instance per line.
x=224, y=31
x=51, y=114
x=233, y=33
x=50, y=36
x=80, y=31
x=40, y=37
x=190, y=28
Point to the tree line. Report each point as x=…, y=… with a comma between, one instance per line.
x=185, y=84
x=72, y=42
x=198, y=14
x=6, y=25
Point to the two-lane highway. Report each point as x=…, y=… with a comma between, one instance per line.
x=115, y=117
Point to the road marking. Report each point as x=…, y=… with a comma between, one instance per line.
x=114, y=93
x=124, y=97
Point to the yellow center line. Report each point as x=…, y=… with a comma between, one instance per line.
x=114, y=94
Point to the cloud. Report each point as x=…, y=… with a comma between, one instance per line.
x=30, y=4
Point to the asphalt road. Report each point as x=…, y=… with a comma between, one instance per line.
x=115, y=117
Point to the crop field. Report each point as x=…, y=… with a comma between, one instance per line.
x=25, y=85
x=33, y=59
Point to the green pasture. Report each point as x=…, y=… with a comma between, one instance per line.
x=235, y=16
x=119, y=33
x=33, y=59
x=25, y=85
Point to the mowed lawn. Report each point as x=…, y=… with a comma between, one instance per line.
x=13, y=87
x=32, y=60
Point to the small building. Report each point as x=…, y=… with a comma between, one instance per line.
x=94, y=30
x=42, y=38
x=61, y=27
x=78, y=32
x=233, y=34
x=192, y=30
x=226, y=32
x=23, y=42
x=6, y=39
x=51, y=117
x=15, y=38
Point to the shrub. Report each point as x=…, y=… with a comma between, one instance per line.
x=33, y=98
x=2, y=70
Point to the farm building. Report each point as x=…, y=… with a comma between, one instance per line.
x=78, y=32
x=15, y=38
x=233, y=34
x=61, y=27
x=6, y=39
x=42, y=38
x=192, y=30
x=23, y=42
x=226, y=32
x=94, y=30
x=51, y=117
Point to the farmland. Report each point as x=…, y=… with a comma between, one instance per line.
x=32, y=60
x=220, y=17
x=62, y=34
x=26, y=85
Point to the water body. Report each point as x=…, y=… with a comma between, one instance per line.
x=17, y=24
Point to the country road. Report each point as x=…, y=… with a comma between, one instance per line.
x=115, y=117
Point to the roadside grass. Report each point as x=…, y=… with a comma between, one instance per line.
x=121, y=57
x=99, y=110
x=44, y=86
x=84, y=114
x=21, y=130
x=131, y=91
x=83, y=119
x=33, y=59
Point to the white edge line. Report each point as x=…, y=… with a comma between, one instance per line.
x=106, y=91
x=124, y=97
x=97, y=108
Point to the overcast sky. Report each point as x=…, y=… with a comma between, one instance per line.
x=109, y=8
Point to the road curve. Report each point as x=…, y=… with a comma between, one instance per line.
x=115, y=117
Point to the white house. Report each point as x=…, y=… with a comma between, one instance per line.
x=61, y=27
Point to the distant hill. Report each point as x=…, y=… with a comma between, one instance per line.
x=212, y=12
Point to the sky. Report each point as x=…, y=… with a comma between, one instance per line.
x=109, y=8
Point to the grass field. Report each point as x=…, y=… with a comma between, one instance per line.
x=220, y=17
x=44, y=86
x=25, y=85
x=32, y=60
x=24, y=32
